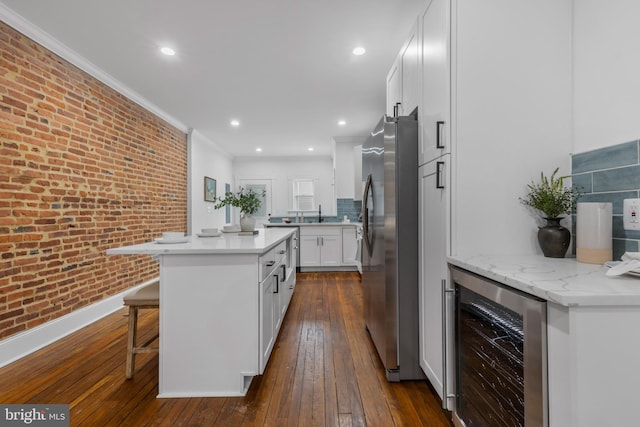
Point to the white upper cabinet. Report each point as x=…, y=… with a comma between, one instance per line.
x=410, y=74
x=394, y=86
x=403, y=80
x=434, y=117
x=358, y=184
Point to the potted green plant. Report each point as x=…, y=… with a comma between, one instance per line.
x=247, y=201
x=551, y=198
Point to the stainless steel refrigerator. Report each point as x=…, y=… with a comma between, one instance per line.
x=390, y=249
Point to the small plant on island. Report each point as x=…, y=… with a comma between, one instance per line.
x=248, y=201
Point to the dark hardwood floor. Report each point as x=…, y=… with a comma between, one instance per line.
x=323, y=371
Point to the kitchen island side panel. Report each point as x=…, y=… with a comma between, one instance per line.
x=209, y=308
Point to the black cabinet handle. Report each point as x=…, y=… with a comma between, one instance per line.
x=439, y=183
x=284, y=272
x=439, y=125
x=270, y=263
x=395, y=109
x=277, y=276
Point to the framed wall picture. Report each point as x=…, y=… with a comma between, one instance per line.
x=209, y=189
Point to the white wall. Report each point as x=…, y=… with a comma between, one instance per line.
x=513, y=118
x=209, y=160
x=606, y=63
x=279, y=170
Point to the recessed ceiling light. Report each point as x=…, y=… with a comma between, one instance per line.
x=167, y=51
x=342, y=122
x=234, y=123
x=359, y=51
x=310, y=148
x=259, y=150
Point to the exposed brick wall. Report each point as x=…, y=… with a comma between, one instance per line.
x=83, y=169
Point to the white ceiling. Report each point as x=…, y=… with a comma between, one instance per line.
x=283, y=68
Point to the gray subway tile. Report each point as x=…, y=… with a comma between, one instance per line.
x=619, y=179
x=604, y=158
x=583, y=182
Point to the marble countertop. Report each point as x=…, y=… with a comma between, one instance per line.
x=313, y=224
x=226, y=243
x=561, y=280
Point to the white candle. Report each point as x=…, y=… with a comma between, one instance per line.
x=594, y=233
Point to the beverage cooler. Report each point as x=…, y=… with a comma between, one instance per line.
x=500, y=356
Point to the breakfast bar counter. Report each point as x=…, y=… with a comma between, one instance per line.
x=222, y=301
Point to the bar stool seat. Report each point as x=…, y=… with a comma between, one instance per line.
x=147, y=297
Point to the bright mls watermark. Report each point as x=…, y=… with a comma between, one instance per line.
x=34, y=415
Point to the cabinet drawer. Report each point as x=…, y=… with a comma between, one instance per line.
x=271, y=259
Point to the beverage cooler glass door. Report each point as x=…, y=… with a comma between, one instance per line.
x=501, y=375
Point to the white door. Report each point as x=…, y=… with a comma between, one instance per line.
x=434, y=200
x=260, y=187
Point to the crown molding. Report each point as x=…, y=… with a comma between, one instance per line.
x=45, y=39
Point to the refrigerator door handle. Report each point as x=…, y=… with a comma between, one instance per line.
x=365, y=214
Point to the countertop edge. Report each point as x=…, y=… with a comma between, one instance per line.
x=314, y=224
x=152, y=248
x=562, y=281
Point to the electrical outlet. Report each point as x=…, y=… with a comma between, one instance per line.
x=631, y=214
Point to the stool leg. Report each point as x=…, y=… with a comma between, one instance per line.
x=131, y=341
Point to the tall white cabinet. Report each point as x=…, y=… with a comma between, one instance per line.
x=434, y=187
x=494, y=111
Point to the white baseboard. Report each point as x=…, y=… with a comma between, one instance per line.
x=25, y=343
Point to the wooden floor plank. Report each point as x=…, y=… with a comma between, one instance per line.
x=323, y=371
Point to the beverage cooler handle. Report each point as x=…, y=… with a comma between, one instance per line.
x=439, y=180
x=445, y=364
x=439, y=126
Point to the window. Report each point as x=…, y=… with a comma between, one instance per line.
x=303, y=195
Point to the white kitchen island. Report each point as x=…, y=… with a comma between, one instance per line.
x=222, y=301
x=593, y=334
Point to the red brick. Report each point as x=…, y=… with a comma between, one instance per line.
x=83, y=170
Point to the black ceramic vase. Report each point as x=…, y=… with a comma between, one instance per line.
x=553, y=238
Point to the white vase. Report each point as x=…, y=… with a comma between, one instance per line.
x=247, y=222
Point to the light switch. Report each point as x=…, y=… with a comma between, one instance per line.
x=631, y=214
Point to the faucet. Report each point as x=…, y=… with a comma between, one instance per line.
x=319, y=213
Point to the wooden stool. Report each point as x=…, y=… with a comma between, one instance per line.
x=146, y=297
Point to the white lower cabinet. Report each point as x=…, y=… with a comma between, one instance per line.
x=278, y=273
x=433, y=226
x=349, y=246
x=267, y=320
x=320, y=246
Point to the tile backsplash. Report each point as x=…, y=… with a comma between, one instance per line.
x=611, y=174
x=349, y=207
